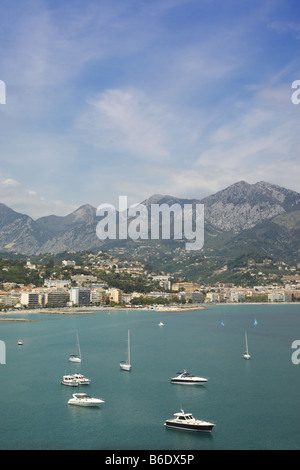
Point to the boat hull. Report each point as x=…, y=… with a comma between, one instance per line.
x=188, y=382
x=204, y=427
x=90, y=404
x=70, y=384
x=74, y=359
x=185, y=378
x=125, y=366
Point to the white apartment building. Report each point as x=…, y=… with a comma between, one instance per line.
x=80, y=296
x=96, y=295
x=68, y=263
x=114, y=295
x=32, y=299
x=57, y=283
x=212, y=297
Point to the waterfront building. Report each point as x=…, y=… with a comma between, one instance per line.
x=32, y=299
x=56, y=299
x=80, y=296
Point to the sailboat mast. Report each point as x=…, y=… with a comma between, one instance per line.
x=78, y=346
x=246, y=342
x=128, y=347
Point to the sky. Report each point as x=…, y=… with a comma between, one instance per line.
x=129, y=97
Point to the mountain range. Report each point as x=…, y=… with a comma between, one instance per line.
x=238, y=219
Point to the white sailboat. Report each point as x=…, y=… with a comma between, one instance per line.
x=126, y=365
x=76, y=357
x=246, y=355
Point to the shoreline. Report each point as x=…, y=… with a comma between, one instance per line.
x=17, y=319
x=92, y=310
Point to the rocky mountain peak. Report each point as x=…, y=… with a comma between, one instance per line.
x=242, y=205
x=234, y=209
x=83, y=212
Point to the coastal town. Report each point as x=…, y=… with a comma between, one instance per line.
x=104, y=280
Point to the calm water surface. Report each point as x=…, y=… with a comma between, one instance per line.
x=255, y=404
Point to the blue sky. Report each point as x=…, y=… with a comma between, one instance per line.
x=126, y=97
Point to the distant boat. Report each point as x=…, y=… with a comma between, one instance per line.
x=76, y=357
x=255, y=322
x=74, y=380
x=20, y=342
x=246, y=355
x=126, y=365
x=161, y=324
x=82, y=380
x=82, y=399
x=185, y=378
x=187, y=422
x=222, y=323
x=70, y=381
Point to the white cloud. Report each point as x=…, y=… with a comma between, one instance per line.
x=102, y=99
x=29, y=202
x=128, y=121
x=289, y=27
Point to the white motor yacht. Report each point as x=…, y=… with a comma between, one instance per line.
x=186, y=378
x=20, y=342
x=70, y=381
x=82, y=399
x=82, y=380
x=187, y=422
x=161, y=324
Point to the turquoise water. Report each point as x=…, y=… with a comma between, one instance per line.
x=255, y=404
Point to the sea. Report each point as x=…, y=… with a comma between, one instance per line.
x=254, y=404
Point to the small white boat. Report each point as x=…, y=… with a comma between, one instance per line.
x=246, y=355
x=161, y=324
x=82, y=399
x=126, y=365
x=20, y=342
x=187, y=422
x=186, y=378
x=69, y=380
x=81, y=379
x=76, y=357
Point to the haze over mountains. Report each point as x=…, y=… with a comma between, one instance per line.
x=239, y=218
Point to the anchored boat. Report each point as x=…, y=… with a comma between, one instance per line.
x=126, y=365
x=186, y=378
x=187, y=422
x=82, y=399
